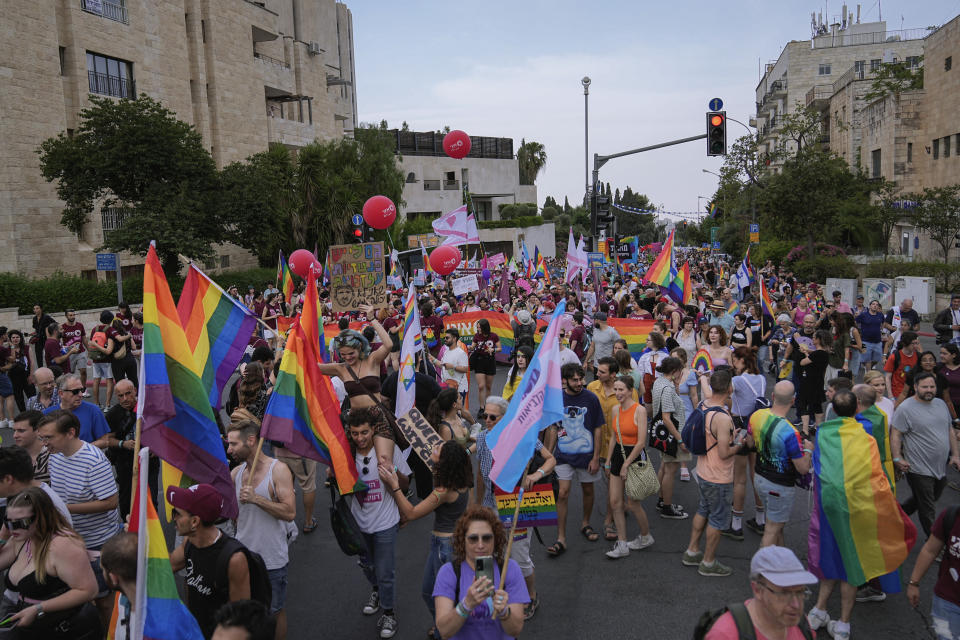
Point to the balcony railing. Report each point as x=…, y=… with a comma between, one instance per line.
x=269, y=60
x=819, y=92
x=451, y=185
x=845, y=39
x=431, y=185
x=111, y=85
x=111, y=10
x=111, y=218
x=430, y=143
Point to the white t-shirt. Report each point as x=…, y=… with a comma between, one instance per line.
x=567, y=356
x=376, y=509
x=86, y=476
x=458, y=358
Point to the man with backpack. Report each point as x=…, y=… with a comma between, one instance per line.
x=708, y=434
x=779, y=584
x=219, y=569
x=902, y=359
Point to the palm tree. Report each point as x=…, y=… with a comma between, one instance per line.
x=531, y=159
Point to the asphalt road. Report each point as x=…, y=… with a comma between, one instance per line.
x=582, y=593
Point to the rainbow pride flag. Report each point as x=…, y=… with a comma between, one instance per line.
x=734, y=307
x=714, y=211
x=680, y=290
x=178, y=423
x=663, y=270
x=877, y=423
x=857, y=529
x=702, y=361
x=218, y=329
x=286, y=287
x=158, y=613
x=765, y=304
x=635, y=332
x=303, y=411
x=312, y=320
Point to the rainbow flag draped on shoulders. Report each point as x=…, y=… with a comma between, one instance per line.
x=303, y=411
x=663, y=270
x=178, y=423
x=877, y=424
x=158, y=613
x=857, y=529
x=218, y=329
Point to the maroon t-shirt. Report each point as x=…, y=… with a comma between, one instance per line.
x=947, y=586
x=126, y=321
x=577, y=335
x=51, y=350
x=432, y=329
x=71, y=334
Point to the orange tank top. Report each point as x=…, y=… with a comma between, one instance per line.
x=628, y=427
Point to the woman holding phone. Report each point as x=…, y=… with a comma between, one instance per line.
x=467, y=596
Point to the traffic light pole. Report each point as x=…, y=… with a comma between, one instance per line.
x=599, y=161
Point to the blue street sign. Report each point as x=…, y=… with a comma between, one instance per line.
x=754, y=228
x=716, y=245
x=106, y=262
x=716, y=104
x=357, y=219
x=705, y=245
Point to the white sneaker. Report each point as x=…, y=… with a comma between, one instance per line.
x=817, y=618
x=620, y=550
x=640, y=542
x=86, y=394
x=6, y=424
x=835, y=633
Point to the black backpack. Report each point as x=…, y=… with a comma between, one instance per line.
x=525, y=336
x=742, y=619
x=260, y=589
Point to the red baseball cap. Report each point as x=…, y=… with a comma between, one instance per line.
x=200, y=500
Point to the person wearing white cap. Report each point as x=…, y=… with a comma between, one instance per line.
x=780, y=586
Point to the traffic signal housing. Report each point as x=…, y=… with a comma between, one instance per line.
x=716, y=133
x=604, y=215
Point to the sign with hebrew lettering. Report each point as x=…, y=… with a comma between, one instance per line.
x=357, y=276
x=419, y=434
x=538, y=509
x=465, y=284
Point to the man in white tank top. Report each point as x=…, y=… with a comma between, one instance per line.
x=267, y=504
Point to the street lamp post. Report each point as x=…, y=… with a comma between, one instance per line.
x=585, y=81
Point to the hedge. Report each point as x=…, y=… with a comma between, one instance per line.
x=523, y=221
x=823, y=267
x=947, y=275
x=60, y=292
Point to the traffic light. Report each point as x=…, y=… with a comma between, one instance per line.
x=358, y=228
x=368, y=233
x=604, y=215
x=716, y=133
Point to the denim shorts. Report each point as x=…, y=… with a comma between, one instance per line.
x=777, y=499
x=715, y=503
x=278, y=583
x=872, y=352
x=945, y=617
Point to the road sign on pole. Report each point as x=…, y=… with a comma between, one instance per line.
x=106, y=262
x=754, y=233
x=715, y=105
x=713, y=234
x=356, y=219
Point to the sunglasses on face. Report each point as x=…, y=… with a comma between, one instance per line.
x=491, y=417
x=20, y=523
x=75, y=392
x=474, y=538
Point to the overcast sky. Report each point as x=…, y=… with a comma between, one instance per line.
x=513, y=69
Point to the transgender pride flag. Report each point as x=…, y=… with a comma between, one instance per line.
x=537, y=404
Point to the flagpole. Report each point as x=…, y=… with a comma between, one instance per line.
x=506, y=555
x=256, y=457
x=136, y=459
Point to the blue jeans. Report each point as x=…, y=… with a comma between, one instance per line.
x=441, y=552
x=381, y=568
x=945, y=616
x=855, y=361
x=278, y=586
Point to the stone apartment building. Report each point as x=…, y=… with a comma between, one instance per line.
x=245, y=73
x=807, y=71
x=910, y=138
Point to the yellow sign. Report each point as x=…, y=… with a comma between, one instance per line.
x=755, y=237
x=428, y=240
x=602, y=247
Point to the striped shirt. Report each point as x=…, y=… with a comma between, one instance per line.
x=86, y=476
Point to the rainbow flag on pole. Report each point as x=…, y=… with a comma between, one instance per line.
x=218, y=329
x=303, y=411
x=178, y=423
x=680, y=289
x=663, y=270
x=765, y=304
x=857, y=529
x=158, y=613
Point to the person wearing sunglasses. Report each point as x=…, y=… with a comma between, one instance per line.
x=49, y=571
x=780, y=587
x=474, y=607
x=378, y=518
x=93, y=425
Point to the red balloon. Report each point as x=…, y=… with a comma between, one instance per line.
x=300, y=262
x=445, y=259
x=379, y=212
x=456, y=144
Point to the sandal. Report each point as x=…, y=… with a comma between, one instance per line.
x=310, y=527
x=610, y=533
x=556, y=549
x=589, y=533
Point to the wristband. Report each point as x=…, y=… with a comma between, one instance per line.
x=462, y=611
x=913, y=583
x=503, y=617
x=542, y=473
x=896, y=460
x=810, y=451
x=606, y=466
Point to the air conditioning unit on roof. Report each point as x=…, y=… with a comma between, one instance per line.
x=313, y=48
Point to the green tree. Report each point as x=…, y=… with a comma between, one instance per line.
x=258, y=198
x=531, y=159
x=642, y=225
x=938, y=213
x=136, y=155
x=550, y=201
x=893, y=78
x=887, y=213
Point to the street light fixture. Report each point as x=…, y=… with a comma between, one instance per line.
x=585, y=81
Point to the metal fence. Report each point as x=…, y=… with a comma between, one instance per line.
x=108, y=85
x=106, y=8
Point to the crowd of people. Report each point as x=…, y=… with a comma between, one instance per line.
x=759, y=383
